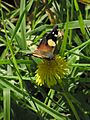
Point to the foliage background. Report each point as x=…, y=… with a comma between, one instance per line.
x=22, y=24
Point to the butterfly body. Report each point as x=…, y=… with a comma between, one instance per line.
x=47, y=45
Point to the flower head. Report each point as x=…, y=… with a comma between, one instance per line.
x=51, y=72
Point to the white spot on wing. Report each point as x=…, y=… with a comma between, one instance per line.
x=51, y=43
x=53, y=33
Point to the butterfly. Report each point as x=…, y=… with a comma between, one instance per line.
x=47, y=45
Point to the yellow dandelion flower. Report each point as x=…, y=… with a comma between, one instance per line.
x=51, y=72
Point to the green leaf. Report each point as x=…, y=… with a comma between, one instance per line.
x=6, y=104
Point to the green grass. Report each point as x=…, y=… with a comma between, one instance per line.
x=20, y=96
